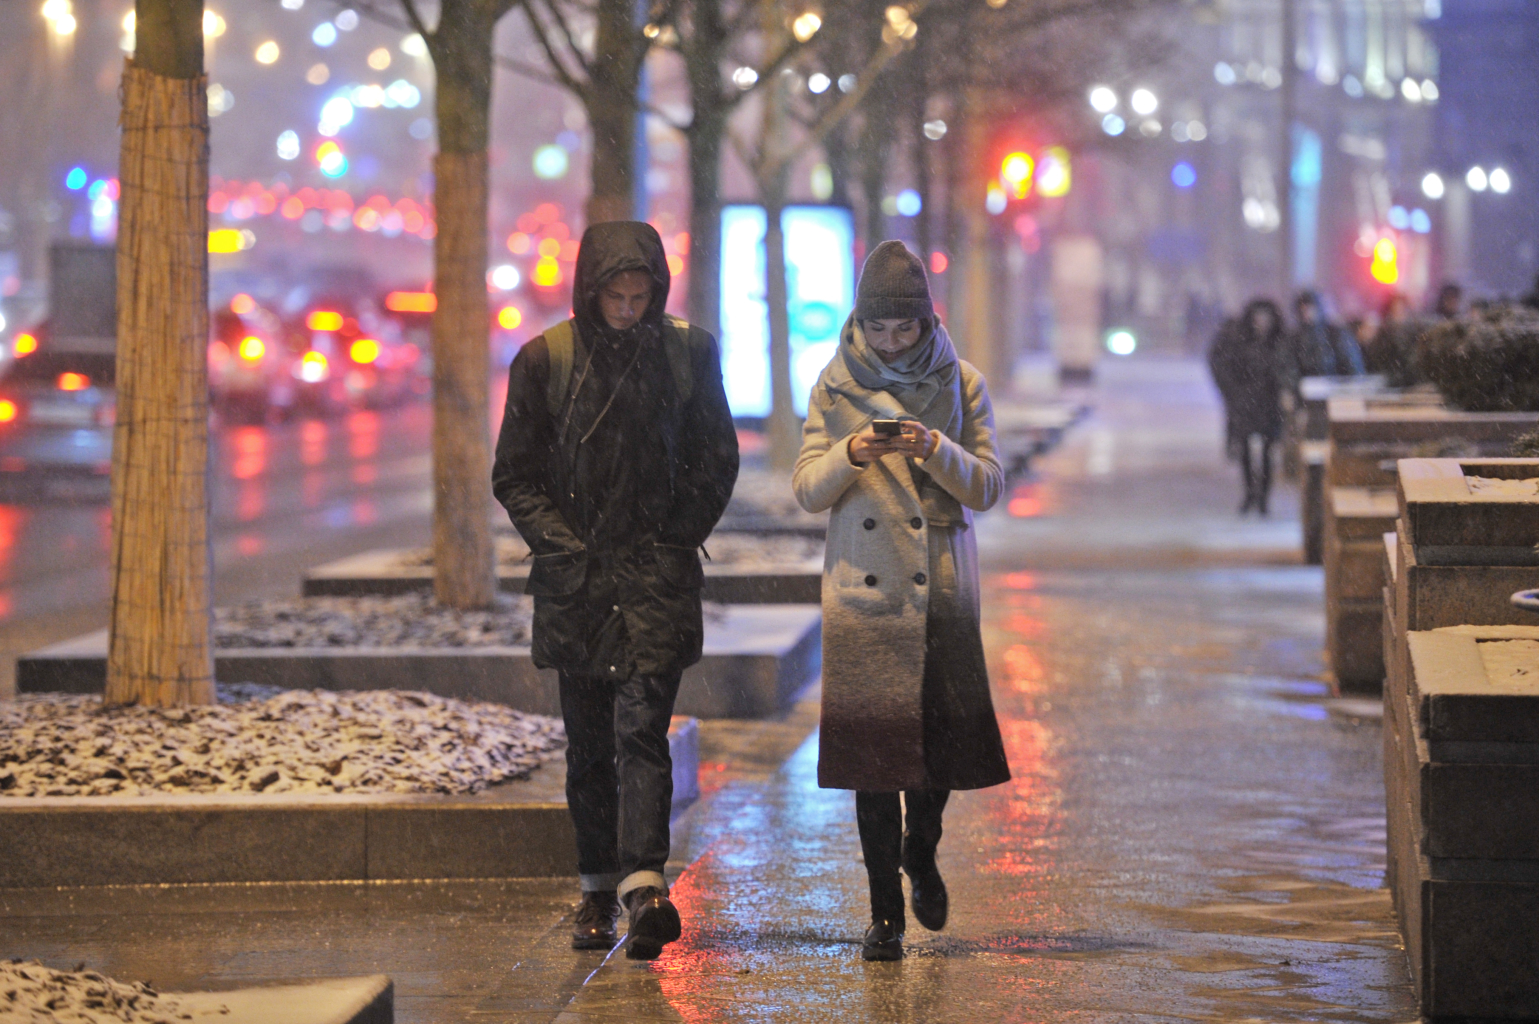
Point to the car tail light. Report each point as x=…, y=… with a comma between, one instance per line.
x=312, y=368
x=364, y=350
x=324, y=320
x=252, y=349
x=10, y=412
x=411, y=302
x=72, y=382
x=24, y=345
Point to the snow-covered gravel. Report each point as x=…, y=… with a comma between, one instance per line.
x=33, y=994
x=405, y=620
x=1496, y=487
x=268, y=741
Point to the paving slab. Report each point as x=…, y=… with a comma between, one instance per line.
x=516, y=829
x=756, y=658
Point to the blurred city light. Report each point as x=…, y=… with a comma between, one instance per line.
x=227, y=240
x=935, y=130
x=900, y=24
x=1121, y=342
x=347, y=20
x=1501, y=181
x=331, y=160
x=909, y=203
x=1399, y=218
x=288, y=145
x=508, y=318
x=324, y=320
x=411, y=302
x=995, y=201
x=504, y=277
x=1183, y=175
x=24, y=345
x=939, y=262
x=379, y=59
x=72, y=382
x=336, y=113
x=550, y=162
x=1411, y=90
x=1429, y=90
x=251, y=348
x=213, y=25
x=1385, y=267
x=318, y=74
x=325, y=34
x=364, y=350
x=1421, y=223
x=401, y=93
x=745, y=77
x=1432, y=185
x=847, y=82
x=806, y=26
x=1143, y=102
x=1223, y=74
x=1103, y=99
x=220, y=100
x=1111, y=124
x=267, y=53
x=818, y=83
x=1053, y=179
x=1015, y=172
x=312, y=368
x=242, y=304
x=76, y=179
x=414, y=46
x=293, y=5
x=1476, y=179
x=547, y=272
x=8, y=410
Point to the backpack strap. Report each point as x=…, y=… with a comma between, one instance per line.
x=561, y=343
x=677, y=342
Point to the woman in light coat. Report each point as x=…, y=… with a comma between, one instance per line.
x=906, y=705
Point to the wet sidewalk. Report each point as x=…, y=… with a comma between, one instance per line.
x=1195, y=831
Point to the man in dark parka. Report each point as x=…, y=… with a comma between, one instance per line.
x=614, y=485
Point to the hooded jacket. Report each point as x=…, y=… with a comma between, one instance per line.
x=1251, y=373
x=615, y=494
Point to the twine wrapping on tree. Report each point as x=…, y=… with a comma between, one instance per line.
x=159, y=651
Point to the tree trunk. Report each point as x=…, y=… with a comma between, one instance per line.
x=159, y=650
x=708, y=127
x=785, y=433
x=612, y=108
x=463, y=572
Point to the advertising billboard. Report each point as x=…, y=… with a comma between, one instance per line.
x=820, y=285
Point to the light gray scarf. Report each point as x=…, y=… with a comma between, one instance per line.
x=924, y=384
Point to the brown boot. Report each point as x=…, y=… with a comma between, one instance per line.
x=654, y=923
x=595, y=924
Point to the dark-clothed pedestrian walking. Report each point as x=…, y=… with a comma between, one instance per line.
x=616, y=458
x=1317, y=346
x=906, y=704
x=1248, y=365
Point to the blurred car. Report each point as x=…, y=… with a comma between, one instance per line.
x=57, y=409
x=350, y=356
x=250, y=370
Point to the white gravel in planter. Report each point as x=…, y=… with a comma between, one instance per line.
x=405, y=620
x=35, y=994
x=268, y=741
x=744, y=551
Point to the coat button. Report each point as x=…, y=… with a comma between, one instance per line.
x=870, y=581
x=869, y=524
x=919, y=578
x=916, y=522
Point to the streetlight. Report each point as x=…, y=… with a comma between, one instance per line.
x=1432, y=185
x=1103, y=99
x=1144, y=102
x=1476, y=179
x=1501, y=181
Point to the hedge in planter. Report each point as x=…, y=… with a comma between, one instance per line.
x=1487, y=361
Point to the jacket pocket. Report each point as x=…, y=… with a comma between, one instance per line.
x=557, y=575
x=679, y=566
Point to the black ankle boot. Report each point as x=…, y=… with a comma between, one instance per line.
x=884, y=940
x=594, y=927
x=928, y=891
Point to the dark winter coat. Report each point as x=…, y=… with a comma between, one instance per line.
x=1251, y=374
x=1323, y=349
x=906, y=701
x=615, y=494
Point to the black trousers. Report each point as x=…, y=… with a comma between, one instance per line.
x=619, y=777
x=887, y=847
x=1257, y=470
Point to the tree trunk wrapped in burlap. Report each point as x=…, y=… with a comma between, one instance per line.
x=159, y=650
x=462, y=458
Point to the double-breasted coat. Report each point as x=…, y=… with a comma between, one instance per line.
x=906, y=701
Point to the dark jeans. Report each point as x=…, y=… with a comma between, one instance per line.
x=619, y=777
x=887, y=848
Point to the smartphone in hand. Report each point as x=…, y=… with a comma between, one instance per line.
x=887, y=428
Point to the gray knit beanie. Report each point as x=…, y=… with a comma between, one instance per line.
x=893, y=286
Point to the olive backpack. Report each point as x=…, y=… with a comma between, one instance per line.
x=562, y=343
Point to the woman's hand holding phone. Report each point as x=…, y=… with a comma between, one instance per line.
x=914, y=441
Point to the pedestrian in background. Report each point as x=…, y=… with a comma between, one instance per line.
x=1392, y=351
x=906, y=703
x=616, y=458
x=1450, y=301
x=1249, y=366
x=1319, y=347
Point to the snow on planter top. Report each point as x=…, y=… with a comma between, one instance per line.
x=1476, y=684
x=1471, y=511
x=1368, y=434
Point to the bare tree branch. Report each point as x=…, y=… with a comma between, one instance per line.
x=579, y=89
x=566, y=33
x=415, y=18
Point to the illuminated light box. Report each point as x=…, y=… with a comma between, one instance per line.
x=820, y=284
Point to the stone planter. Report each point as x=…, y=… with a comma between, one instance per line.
x=1461, y=779
x=1368, y=436
x=1306, y=447
x=757, y=658
x=513, y=830
x=1464, y=542
x=744, y=568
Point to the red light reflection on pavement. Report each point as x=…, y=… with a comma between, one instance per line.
x=250, y=444
x=249, y=544
x=364, y=512
x=312, y=442
x=250, y=501
x=1023, y=669
x=363, y=435
x=1024, y=810
x=1030, y=499
x=1021, y=580
x=365, y=474
x=12, y=519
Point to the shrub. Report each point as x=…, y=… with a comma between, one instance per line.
x=1487, y=361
